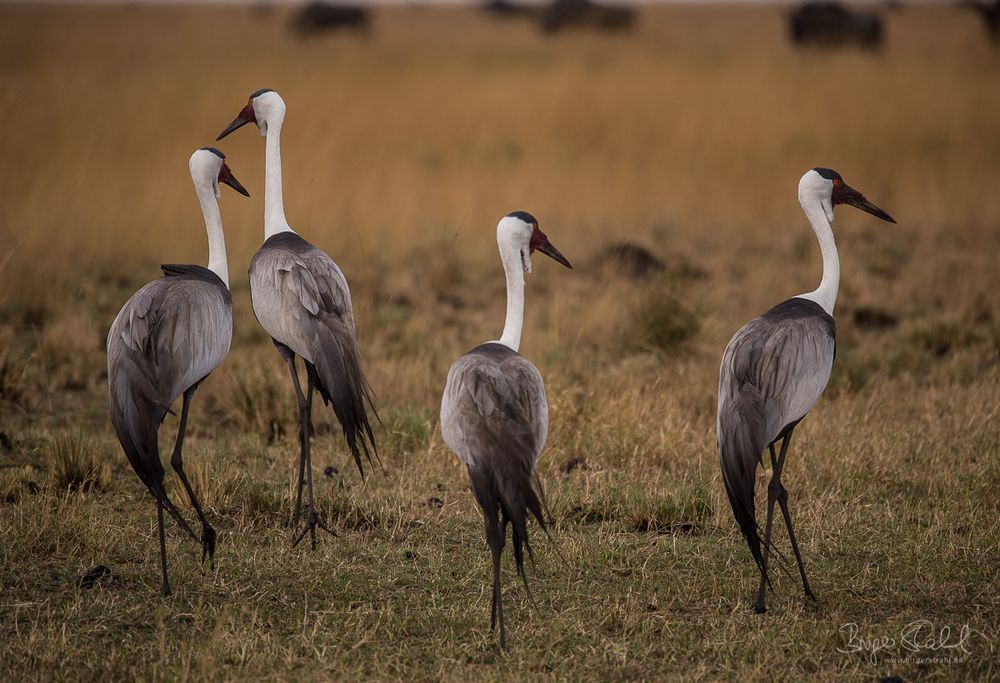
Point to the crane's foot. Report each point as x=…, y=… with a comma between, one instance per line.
x=208, y=536
x=312, y=522
x=759, y=608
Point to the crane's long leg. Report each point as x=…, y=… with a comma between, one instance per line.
x=783, y=502
x=289, y=357
x=495, y=538
x=305, y=433
x=306, y=420
x=772, y=494
x=163, y=547
x=177, y=462
x=313, y=519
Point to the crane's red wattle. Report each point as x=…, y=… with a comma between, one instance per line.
x=538, y=238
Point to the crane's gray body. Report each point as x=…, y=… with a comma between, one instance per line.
x=493, y=412
x=495, y=418
x=773, y=372
x=168, y=337
x=301, y=298
x=295, y=288
x=775, y=369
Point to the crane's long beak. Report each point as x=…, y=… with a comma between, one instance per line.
x=226, y=176
x=232, y=182
x=243, y=118
x=858, y=201
x=549, y=250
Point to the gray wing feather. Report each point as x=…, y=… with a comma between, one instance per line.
x=494, y=409
x=173, y=332
x=292, y=290
x=495, y=418
x=780, y=368
x=773, y=371
x=168, y=336
x=302, y=300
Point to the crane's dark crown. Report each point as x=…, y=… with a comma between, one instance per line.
x=260, y=92
x=524, y=216
x=214, y=151
x=828, y=173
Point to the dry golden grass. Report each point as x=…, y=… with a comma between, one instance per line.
x=76, y=463
x=401, y=151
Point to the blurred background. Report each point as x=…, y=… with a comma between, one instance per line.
x=660, y=147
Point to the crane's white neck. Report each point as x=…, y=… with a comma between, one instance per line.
x=826, y=294
x=510, y=254
x=274, y=205
x=217, y=262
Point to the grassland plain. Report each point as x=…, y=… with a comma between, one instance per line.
x=401, y=151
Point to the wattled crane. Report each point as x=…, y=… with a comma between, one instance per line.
x=494, y=416
x=773, y=372
x=301, y=298
x=165, y=340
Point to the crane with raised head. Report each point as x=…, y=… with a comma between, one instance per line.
x=494, y=415
x=774, y=370
x=301, y=298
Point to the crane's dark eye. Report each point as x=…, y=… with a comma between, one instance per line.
x=836, y=181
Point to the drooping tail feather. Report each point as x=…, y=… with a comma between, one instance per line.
x=506, y=494
x=740, y=443
x=342, y=383
x=136, y=418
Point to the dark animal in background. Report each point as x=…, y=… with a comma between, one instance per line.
x=829, y=23
x=321, y=17
x=989, y=12
x=630, y=260
x=562, y=14
x=505, y=9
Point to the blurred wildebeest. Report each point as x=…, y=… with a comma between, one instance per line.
x=989, y=12
x=320, y=17
x=829, y=23
x=263, y=8
x=565, y=13
x=505, y=9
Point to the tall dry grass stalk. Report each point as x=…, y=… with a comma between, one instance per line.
x=77, y=463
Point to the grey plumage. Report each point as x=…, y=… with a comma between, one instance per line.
x=165, y=340
x=170, y=335
x=494, y=406
x=494, y=417
x=301, y=298
x=773, y=371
